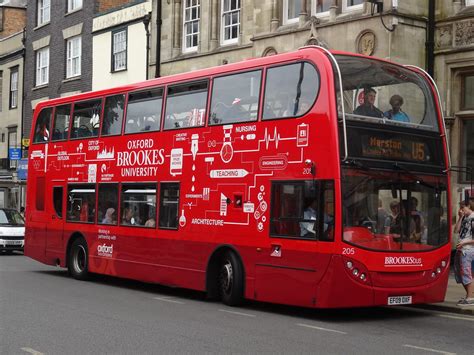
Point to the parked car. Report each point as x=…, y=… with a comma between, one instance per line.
x=12, y=230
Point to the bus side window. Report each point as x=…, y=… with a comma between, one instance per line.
x=138, y=206
x=113, y=115
x=144, y=111
x=62, y=117
x=235, y=98
x=43, y=124
x=169, y=202
x=107, y=204
x=58, y=200
x=186, y=105
x=81, y=203
x=86, y=119
x=290, y=90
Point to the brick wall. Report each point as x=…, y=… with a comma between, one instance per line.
x=106, y=5
x=58, y=84
x=14, y=20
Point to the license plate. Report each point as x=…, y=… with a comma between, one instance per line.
x=13, y=242
x=397, y=300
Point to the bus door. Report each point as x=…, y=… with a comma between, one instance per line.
x=36, y=216
x=55, y=208
x=291, y=262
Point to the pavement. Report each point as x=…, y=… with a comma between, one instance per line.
x=454, y=293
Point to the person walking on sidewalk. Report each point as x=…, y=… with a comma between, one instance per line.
x=465, y=252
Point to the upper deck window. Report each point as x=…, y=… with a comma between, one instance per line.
x=186, y=105
x=235, y=98
x=62, y=116
x=290, y=90
x=43, y=124
x=86, y=120
x=383, y=93
x=113, y=115
x=144, y=111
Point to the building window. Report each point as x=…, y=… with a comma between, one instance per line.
x=468, y=92
x=14, y=88
x=73, y=59
x=291, y=11
x=321, y=7
x=467, y=147
x=44, y=11
x=192, y=14
x=469, y=2
x=230, y=21
x=73, y=5
x=119, y=50
x=351, y=5
x=42, y=66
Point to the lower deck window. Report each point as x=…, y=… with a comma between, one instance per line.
x=169, y=201
x=303, y=209
x=81, y=203
x=138, y=205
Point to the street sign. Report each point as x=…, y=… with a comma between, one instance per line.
x=25, y=142
x=14, y=153
x=22, y=169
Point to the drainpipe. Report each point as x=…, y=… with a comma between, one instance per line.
x=158, y=41
x=430, y=38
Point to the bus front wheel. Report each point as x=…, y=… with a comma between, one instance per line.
x=231, y=280
x=78, y=260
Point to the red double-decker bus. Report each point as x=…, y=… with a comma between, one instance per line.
x=311, y=178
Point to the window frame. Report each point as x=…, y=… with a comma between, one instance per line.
x=463, y=90
x=127, y=102
x=315, y=12
x=54, y=119
x=43, y=15
x=73, y=129
x=235, y=40
x=114, y=53
x=286, y=20
x=349, y=8
x=103, y=115
x=99, y=202
x=42, y=66
x=469, y=3
x=122, y=202
x=195, y=48
x=13, y=91
x=71, y=57
x=73, y=5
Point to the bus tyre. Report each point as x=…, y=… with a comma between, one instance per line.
x=78, y=260
x=231, y=282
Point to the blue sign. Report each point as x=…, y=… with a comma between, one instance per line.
x=14, y=153
x=22, y=169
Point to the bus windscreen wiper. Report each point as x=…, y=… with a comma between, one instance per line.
x=413, y=176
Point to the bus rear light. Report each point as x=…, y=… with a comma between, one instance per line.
x=357, y=270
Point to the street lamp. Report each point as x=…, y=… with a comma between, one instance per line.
x=146, y=23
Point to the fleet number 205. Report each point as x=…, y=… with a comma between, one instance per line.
x=348, y=251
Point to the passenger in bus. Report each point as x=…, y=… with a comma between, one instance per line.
x=307, y=228
x=150, y=223
x=396, y=113
x=392, y=222
x=109, y=216
x=368, y=107
x=309, y=216
x=128, y=216
x=42, y=133
x=416, y=220
x=382, y=215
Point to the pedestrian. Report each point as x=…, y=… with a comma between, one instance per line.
x=465, y=251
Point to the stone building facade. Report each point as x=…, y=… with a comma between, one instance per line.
x=12, y=22
x=454, y=74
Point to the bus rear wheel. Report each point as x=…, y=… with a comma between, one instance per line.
x=78, y=266
x=231, y=283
